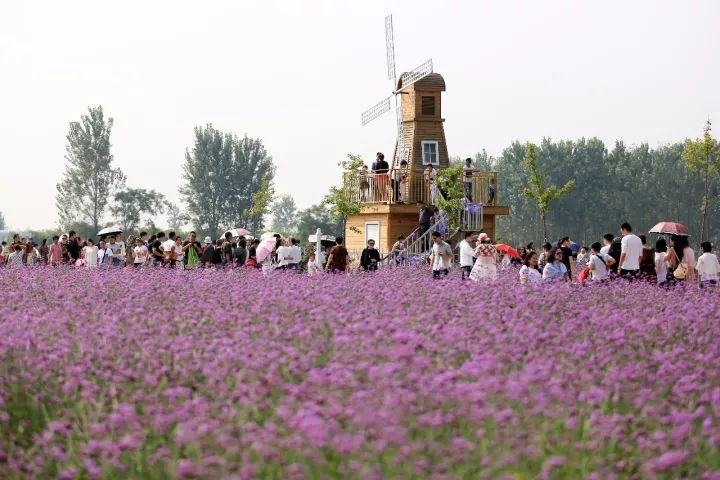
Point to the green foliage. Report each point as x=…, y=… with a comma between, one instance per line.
x=176, y=218
x=701, y=156
x=223, y=174
x=131, y=203
x=284, y=214
x=336, y=198
x=450, y=180
x=89, y=180
x=537, y=188
x=318, y=216
x=261, y=201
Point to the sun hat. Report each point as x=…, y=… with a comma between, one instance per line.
x=208, y=240
x=483, y=237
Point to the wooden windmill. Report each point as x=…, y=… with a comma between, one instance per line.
x=406, y=110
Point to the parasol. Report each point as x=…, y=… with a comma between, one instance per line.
x=508, y=250
x=265, y=248
x=670, y=228
x=108, y=231
x=238, y=232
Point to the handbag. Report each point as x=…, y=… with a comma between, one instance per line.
x=192, y=257
x=681, y=271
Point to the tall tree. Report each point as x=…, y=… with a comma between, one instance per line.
x=131, y=203
x=537, y=188
x=340, y=203
x=318, y=216
x=222, y=175
x=701, y=156
x=284, y=214
x=261, y=201
x=89, y=179
x=176, y=218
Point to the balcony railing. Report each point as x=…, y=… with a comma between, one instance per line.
x=410, y=186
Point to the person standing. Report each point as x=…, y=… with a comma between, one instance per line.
x=90, y=254
x=217, y=257
x=44, y=250
x=486, y=260
x=426, y=215
x=283, y=255
x=338, y=259
x=647, y=260
x=102, y=253
x=468, y=171
x=564, y=247
x=599, y=263
x=140, y=257
x=398, y=250
x=607, y=242
x=630, y=252
x=544, y=257
x=15, y=259
x=116, y=257
x=555, y=269
x=193, y=250
x=582, y=259
x=661, y=265
x=370, y=257
x=430, y=175
x=130, y=251
x=157, y=254
x=529, y=272
x=227, y=249
x=707, y=267
x=491, y=192
x=441, y=257
x=380, y=168
x=295, y=254
x=252, y=254
x=467, y=260
x=73, y=249
x=206, y=258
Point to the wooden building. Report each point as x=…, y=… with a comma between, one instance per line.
x=386, y=211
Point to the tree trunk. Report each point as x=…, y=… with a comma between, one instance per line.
x=545, y=237
x=705, y=202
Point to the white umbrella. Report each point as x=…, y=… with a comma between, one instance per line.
x=267, y=235
x=318, y=248
x=237, y=232
x=108, y=231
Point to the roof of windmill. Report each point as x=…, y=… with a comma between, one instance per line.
x=433, y=82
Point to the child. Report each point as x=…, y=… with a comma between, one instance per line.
x=313, y=267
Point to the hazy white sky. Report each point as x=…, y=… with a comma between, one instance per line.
x=299, y=73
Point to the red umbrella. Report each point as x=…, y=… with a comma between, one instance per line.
x=507, y=250
x=671, y=228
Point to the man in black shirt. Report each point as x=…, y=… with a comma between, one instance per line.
x=426, y=214
x=370, y=257
x=227, y=249
x=157, y=249
x=73, y=248
x=564, y=246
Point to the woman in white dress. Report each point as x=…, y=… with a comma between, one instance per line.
x=90, y=254
x=485, y=267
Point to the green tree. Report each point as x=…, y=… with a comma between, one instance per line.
x=222, y=175
x=701, y=156
x=318, y=216
x=538, y=190
x=340, y=203
x=450, y=181
x=131, y=203
x=261, y=201
x=89, y=179
x=176, y=218
x=284, y=214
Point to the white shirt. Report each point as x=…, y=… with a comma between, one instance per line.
x=282, y=252
x=168, y=245
x=708, y=266
x=661, y=267
x=466, y=254
x=91, y=256
x=313, y=267
x=600, y=270
x=631, y=246
x=296, y=254
x=605, y=250
x=141, y=254
x=530, y=275
x=467, y=178
x=439, y=263
x=554, y=271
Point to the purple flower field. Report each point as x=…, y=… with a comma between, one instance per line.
x=228, y=374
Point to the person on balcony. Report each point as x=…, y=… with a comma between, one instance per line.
x=399, y=178
x=380, y=168
x=364, y=183
x=491, y=192
x=468, y=171
x=430, y=175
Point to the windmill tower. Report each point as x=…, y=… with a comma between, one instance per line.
x=420, y=134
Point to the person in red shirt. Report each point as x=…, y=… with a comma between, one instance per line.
x=338, y=259
x=55, y=254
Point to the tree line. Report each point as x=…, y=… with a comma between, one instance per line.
x=603, y=187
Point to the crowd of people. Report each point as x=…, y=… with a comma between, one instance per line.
x=628, y=256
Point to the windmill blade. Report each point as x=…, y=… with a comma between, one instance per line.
x=373, y=112
x=390, y=48
x=417, y=73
